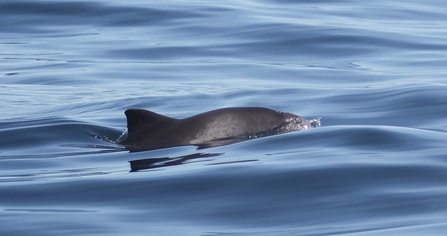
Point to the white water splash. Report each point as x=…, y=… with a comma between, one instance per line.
x=298, y=124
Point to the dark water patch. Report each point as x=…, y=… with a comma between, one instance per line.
x=367, y=138
x=20, y=13
x=409, y=106
x=252, y=196
x=50, y=133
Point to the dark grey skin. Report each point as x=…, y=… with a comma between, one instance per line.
x=148, y=130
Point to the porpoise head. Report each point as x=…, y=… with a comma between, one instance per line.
x=293, y=122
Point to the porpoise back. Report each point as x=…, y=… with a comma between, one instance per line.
x=148, y=130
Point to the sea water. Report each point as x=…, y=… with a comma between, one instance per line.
x=375, y=72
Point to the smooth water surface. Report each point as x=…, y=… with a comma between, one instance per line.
x=375, y=72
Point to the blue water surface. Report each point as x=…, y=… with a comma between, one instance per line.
x=375, y=72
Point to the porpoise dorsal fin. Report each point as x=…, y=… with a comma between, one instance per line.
x=139, y=118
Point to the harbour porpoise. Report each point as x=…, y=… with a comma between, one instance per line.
x=148, y=130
